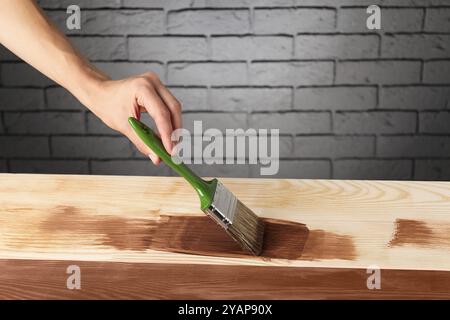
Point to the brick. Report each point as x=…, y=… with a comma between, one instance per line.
x=96, y=126
x=222, y=170
x=392, y=20
x=60, y=99
x=221, y=121
x=3, y=166
x=168, y=48
x=415, y=97
x=49, y=166
x=161, y=4
x=247, y=3
x=290, y=3
x=423, y=46
x=286, y=146
x=283, y=150
x=291, y=73
x=24, y=147
x=251, y=99
x=432, y=170
x=6, y=55
x=417, y=147
x=303, y=169
x=178, y=4
x=21, y=74
x=129, y=167
x=437, y=72
x=374, y=122
x=372, y=169
x=92, y=147
x=63, y=4
x=242, y=3
x=380, y=72
x=209, y=21
x=335, y=98
x=120, y=70
x=207, y=73
x=21, y=99
x=437, y=20
x=113, y=22
x=191, y=98
x=45, y=122
x=101, y=48
x=434, y=122
x=251, y=48
x=336, y=46
x=334, y=146
x=271, y=21
x=297, y=169
x=293, y=122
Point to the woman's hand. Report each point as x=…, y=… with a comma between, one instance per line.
x=113, y=101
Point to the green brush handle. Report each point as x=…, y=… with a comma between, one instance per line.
x=205, y=189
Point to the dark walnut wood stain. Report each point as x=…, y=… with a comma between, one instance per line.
x=200, y=235
x=37, y=279
x=420, y=233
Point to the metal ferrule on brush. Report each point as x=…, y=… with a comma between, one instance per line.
x=223, y=206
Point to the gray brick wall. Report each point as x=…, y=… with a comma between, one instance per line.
x=350, y=103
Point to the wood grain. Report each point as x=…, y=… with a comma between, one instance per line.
x=144, y=237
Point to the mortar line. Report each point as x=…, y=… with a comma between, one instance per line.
x=380, y=45
x=424, y=19
x=378, y=96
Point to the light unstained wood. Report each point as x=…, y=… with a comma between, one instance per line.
x=131, y=227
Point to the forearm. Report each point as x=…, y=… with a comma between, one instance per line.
x=26, y=31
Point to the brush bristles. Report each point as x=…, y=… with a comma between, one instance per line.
x=247, y=229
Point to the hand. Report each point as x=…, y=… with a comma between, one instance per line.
x=23, y=26
x=115, y=101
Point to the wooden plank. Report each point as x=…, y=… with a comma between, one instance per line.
x=132, y=229
x=37, y=279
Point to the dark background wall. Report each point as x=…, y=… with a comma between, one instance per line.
x=349, y=102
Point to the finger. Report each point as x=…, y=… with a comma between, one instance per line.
x=161, y=115
x=172, y=103
x=142, y=147
x=155, y=159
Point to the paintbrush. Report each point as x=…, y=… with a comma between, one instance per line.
x=241, y=223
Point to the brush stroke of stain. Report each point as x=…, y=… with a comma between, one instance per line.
x=323, y=245
x=200, y=235
x=282, y=240
x=121, y=233
x=420, y=233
